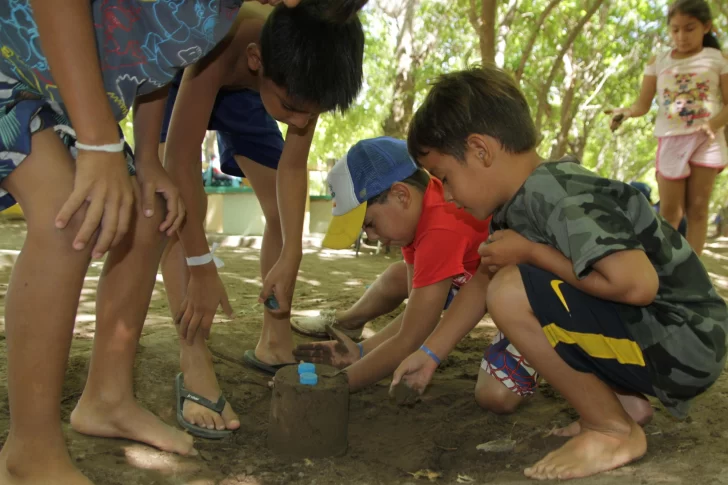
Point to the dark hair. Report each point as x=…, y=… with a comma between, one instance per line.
x=419, y=180
x=317, y=61
x=484, y=100
x=338, y=11
x=701, y=11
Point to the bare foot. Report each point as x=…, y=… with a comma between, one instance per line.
x=591, y=452
x=56, y=470
x=200, y=378
x=128, y=420
x=273, y=357
x=568, y=431
x=275, y=345
x=637, y=406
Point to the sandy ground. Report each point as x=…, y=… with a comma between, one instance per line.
x=387, y=444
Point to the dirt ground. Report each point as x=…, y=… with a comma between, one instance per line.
x=387, y=444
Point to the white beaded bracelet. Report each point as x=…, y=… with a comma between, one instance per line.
x=110, y=148
x=206, y=258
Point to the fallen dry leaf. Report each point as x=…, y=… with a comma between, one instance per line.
x=426, y=473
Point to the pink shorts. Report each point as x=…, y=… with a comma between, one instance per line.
x=675, y=154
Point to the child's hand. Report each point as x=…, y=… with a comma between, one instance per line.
x=205, y=292
x=708, y=129
x=339, y=353
x=619, y=115
x=504, y=248
x=281, y=282
x=416, y=372
x=154, y=180
x=102, y=180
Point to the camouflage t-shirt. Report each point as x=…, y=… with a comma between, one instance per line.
x=682, y=334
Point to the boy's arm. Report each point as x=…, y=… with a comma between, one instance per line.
x=187, y=128
x=190, y=118
x=101, y=178
x=148, y=118
x=625, y=277
x=292, y=188
x=420, y=318
x=466, y=310
x=393, y=328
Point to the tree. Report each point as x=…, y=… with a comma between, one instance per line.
x=484, y=22
x=407, y=61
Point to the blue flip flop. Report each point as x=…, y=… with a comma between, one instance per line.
x=194, y=430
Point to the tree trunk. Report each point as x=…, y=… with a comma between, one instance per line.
x=567, y=110
x=403, y=95
x=484, y=23
x=546, y=87
x=488, y=16
x=504, y=30
x=534, y=35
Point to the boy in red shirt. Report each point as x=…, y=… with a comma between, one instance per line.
x=377, y=186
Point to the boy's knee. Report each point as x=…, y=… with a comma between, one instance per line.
x=273, y=224
x=146, y=229
x=493, y=396
x=42, y=228
x=505, y=288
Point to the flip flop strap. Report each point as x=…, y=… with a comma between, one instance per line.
x=196, y=398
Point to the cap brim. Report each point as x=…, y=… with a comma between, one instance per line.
x=345, y=229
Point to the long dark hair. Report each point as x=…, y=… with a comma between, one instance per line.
x=701, y=11
x=336, y=11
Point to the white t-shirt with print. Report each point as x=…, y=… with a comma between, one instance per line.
x=688, y=90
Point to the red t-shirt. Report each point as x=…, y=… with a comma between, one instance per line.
x=446, y=242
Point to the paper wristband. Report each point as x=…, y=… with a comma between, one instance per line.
x=110, y=148
x=206, y=258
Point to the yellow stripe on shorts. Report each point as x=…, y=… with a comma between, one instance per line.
x=598, y=346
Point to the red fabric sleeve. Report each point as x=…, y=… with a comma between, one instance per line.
x=439, y=255
x=408, y=253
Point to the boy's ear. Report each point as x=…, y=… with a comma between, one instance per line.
x=483, y=148
x=255, y=62
x=402, y=193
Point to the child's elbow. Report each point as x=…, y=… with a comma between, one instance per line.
x=644, y=290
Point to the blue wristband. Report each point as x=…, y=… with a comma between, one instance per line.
x=429, y=352
x=361, y=350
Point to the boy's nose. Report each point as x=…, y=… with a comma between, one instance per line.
x=448, y=197
x=300, y=121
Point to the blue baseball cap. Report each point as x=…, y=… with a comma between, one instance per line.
x=369, y=168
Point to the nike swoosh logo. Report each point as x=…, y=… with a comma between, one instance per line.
x=555, y=284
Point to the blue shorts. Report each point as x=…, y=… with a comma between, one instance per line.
x=23, y=113
x=243, y=128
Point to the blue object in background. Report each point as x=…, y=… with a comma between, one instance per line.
x=308, y=379
x=306, y=367
x=271, y=303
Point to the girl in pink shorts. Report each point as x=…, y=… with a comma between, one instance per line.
x=691, y=81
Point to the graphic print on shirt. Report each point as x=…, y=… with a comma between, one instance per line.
x=141, y=44
x=686, y=98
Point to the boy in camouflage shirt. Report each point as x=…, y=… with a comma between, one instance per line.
x=601, y=296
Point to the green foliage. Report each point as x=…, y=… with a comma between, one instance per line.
x=607, y=58
x=606, y=61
